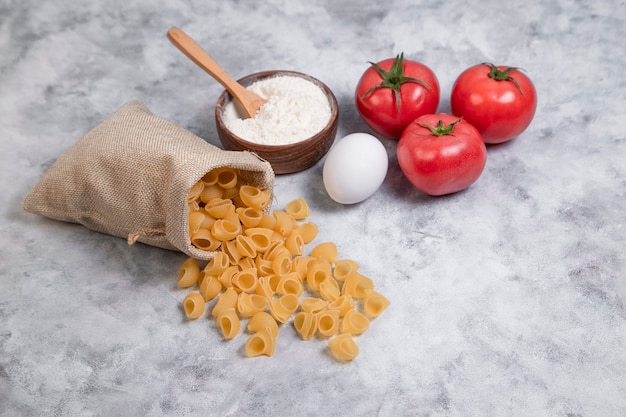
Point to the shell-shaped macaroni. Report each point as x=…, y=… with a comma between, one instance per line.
x=194, y=305
x=193, y=206
x=227, y=299
x=357, y=285
x=281, y=264
x=318, y=271
x=283, y=307
x=343, y=304
x=210, y=192
x=254, y=197
x=354, y=323
x=260, y=343
x=328, y=322
x=268, y=221
x=232, y=194
x=210, y=287
x=329, y=289
x=294, y=243
x=343, y=268
x=246, y=280
x=308, y=231
x=267, y=285
x=326, y=250
x=226, y=277
x=217, y=264
x=276, y=248
x=300, y=265
x=374, y=304
x=264, y=266
x=230, y=249
x=249, y=217
x=203, y=239
x=305, y=324
x=188, y=273
x=290, y=284
x=246, y=263
x=218, y=208
x=228, y=322
x=246, y=246
x=251, y=304
x=343, y=347
x=210, y=178
x=196, y=218
x=263, y=321
x=313, y=305
x=225, y=230
x=232, y=216
x=261, y=237
x=284, y=223
x=227, y=178
x=298, y=209
x=195, y=191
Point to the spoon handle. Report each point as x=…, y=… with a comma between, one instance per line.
x=248, y=100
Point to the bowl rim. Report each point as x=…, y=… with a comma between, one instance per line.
x=221, y=104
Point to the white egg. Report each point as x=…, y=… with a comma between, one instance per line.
x=355, y=168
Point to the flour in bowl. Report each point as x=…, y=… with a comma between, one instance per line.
x=296, y=109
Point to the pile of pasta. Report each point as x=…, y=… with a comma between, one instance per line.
x=261, y=273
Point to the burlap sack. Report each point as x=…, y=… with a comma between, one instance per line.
x=130, y=177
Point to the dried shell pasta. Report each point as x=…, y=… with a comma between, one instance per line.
x=313, y=304
x=374, y=304
x=226, y=178
x=308, y=231
x=188, y=273
x=254, y=197
x=249, y=217
x=210, y=287
x=305, y=324
x=357, y=285
x=344, y=268
x=227, y=299
x=298, y=209
x=290, y=284
x=326, y=250
x=283, y=307
x=343, y=347
x=225, y=230
x=228, y=322
x=251, y=304
x=343, y=304
x=203, y=239
x=193, y=304
x=259, y=270
x=354, y=323
x=260, y=343
x=328, y=322
x=263, y=321
x=246, y=280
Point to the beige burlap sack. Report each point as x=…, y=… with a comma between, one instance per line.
x=130, y=177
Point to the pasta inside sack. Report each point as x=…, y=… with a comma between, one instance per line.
x=262, y=273
x=137, y=176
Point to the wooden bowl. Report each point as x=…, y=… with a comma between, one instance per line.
x=289, y=158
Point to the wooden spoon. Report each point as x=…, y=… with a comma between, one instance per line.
x=249, y=102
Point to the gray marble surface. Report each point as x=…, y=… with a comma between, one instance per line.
x=508, y=299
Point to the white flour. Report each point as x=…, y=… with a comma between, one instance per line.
x=295, y=110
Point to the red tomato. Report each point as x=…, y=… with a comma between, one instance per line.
x=441, y=154
x=394, y=92
x=499, y=101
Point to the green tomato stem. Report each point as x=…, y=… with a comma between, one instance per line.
x=497, y=74
x=441, y=129
x=394, y=78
